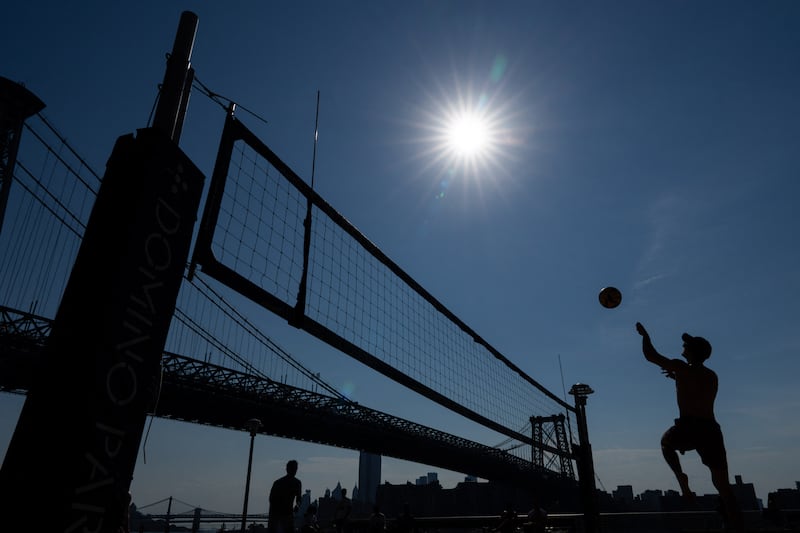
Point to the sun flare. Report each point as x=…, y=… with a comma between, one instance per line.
x=468, y=135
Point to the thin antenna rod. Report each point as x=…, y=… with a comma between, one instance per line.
x=300, y=306
x=564, y=389
x=316, y=136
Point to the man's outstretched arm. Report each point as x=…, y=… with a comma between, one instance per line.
x=650, y=352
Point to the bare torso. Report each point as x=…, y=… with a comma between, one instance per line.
x=696, y=386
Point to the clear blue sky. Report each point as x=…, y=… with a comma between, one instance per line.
x=654, y=146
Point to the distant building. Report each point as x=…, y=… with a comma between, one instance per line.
x=623, y=494
x=623, y=500
x=650, y=500
x=672, y=501
x=428, y=479
x=785, y=498
x=326, y=505
x=467, y=498
x=369, y=477
x=305, y=502
x=745, y=495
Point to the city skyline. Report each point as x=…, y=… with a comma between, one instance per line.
x=426, y=478
x=643, y=145
x=618, y=493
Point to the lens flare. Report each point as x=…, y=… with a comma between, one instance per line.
x=348, y=390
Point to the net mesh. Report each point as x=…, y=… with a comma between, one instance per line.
x=355, y=293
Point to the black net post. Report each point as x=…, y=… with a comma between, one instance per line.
x=76, y=441
x=584, y=460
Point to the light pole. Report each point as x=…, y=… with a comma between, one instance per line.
x=584, y=459
x=253, y=426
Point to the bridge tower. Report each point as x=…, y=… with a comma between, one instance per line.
x=549, y=430
x=16, y=104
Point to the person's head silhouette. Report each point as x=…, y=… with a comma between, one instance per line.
x=695, y=349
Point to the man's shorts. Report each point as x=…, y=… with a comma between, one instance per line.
x=699, y=434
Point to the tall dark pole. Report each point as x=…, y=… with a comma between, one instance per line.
x=174, y=95
x=585, y=461
x=253, y=425
x=169, y=514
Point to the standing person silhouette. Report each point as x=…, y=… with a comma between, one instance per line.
x=696, y=427
x=284, y=501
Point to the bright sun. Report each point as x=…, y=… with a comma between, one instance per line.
x=468, y=135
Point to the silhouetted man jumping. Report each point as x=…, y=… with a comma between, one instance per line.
x=695, y=428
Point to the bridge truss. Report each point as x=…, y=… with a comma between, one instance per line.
x=204, y=393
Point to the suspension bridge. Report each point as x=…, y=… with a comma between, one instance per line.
x=173, y=511
x=266, y=235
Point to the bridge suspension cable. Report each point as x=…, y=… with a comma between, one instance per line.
x=229, y=310
x=69, y=147
x=56, y=189
x=154, y=503
x=524, y=430
x=190, y=508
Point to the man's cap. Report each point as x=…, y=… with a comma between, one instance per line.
x=698, y=345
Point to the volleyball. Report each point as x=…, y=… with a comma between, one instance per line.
x=610, y=297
